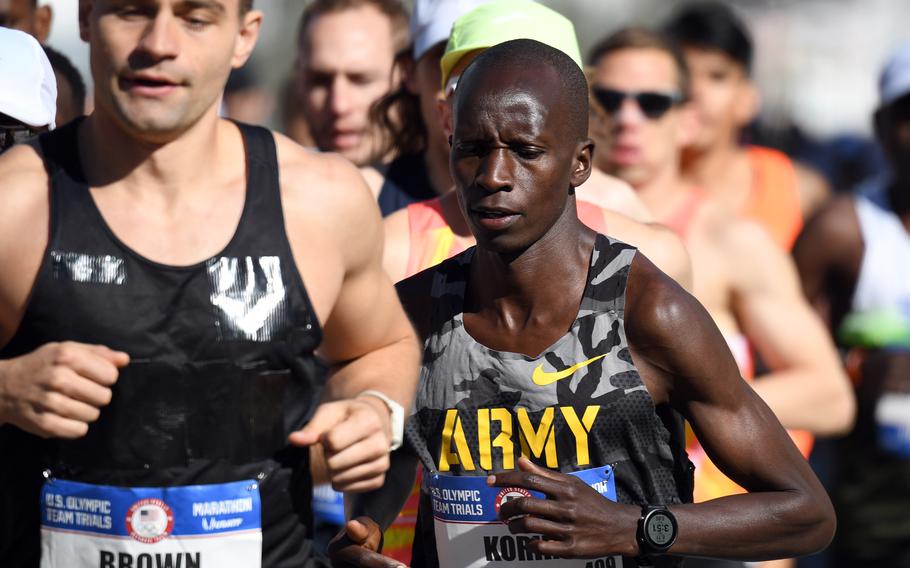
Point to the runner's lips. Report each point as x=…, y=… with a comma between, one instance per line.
x=148, y=83
x=494, y=218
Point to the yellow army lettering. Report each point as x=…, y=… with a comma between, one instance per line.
x=536, y=441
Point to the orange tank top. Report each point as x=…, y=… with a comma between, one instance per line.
x=433, y=241
x=774, y=199
x=681, y=219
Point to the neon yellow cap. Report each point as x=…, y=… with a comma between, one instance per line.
x=500, y=21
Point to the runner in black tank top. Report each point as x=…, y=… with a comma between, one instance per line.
x=222, y=363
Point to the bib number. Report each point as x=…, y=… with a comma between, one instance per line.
x=192, y=526
x=469, y=533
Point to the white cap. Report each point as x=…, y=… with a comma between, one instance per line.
x=895, y=79
x=431, y=21
x=28, y=88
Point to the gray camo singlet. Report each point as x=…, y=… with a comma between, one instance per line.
x=478, y=410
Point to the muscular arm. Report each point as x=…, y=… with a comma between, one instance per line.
x=685, y=361
x=807, y=387
x=336, y=235
x=828, y=255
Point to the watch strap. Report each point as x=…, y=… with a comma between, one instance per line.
x=396, y=417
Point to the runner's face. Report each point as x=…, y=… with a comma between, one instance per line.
x=721, y=94
x=638, y=148
x=513, y=159
x=346, y=65
x=161, y=65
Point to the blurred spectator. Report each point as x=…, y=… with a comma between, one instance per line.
x=854, y=259
x=761, y=183
x=245, y=98
x=26, y=16
x=28, y=90
x=70, y=87
x=345, y=63
x=741, y=277
x=293, y=121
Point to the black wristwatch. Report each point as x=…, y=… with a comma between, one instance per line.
x=657, y=531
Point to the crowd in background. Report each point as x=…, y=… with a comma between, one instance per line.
x=370, y=80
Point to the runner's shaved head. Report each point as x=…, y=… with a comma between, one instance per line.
x=531, y=63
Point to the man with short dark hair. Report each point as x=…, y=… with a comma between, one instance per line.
x=345, y=63
x=168, y=277
x=27, y=16
x=555, y=361
x=760, y=183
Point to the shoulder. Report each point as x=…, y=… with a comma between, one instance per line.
x=656, y=305
x=325, y=187
x=661, y=245
x=832, y=236
x=24, y=191
x=612, y=193
x=397, y=230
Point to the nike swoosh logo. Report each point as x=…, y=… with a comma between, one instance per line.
x=542, y=378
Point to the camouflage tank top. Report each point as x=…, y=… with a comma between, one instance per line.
x=581, y=404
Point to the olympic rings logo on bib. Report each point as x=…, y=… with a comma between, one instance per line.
x=149, y=520
x=510, y=494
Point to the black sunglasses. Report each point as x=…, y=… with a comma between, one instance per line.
x=652, y=103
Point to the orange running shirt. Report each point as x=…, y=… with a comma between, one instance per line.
x=774, y=198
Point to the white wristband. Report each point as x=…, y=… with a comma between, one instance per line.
x=396, y=416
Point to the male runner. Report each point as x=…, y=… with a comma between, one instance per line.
x=854, y=259
x=744, y=281
x=761, y=183
x=346, y=62
x=427, y=233
x=560, y=355
x=27, y=16
x=160, y=312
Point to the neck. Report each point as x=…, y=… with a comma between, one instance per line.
x=538, y=281
x=437, y=162
x=111, y=155
x=704, y=165
x=662, y=193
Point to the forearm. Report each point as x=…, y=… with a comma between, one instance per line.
x=392, y=369
x=755, y=526
x=817, y=400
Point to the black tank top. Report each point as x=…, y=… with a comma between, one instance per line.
x=222, y=364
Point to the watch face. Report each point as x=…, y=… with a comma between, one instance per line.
x=660, y=529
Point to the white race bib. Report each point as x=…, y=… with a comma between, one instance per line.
x=469, y=533
x=195, y=526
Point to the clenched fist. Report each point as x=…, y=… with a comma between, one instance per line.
x=57, y=390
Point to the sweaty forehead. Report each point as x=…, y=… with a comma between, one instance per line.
x=518, y=99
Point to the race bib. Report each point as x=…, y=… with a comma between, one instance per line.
x=193, y=526
x=469, y=533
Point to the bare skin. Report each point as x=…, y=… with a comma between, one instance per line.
x=624, y=213
x=518, y=300
x=744, y=281
x=140, y=152
x=28, y=17
x=726, y=101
